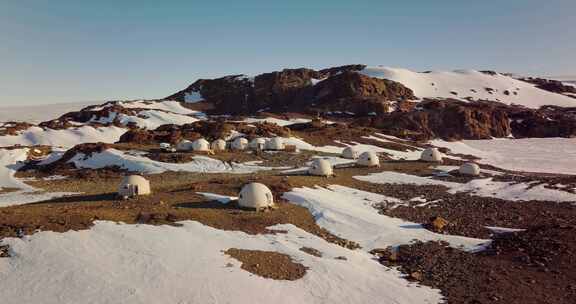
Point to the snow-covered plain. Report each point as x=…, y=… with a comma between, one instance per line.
x=470, y=83
x=63, y=138
x=9, y=163
x=485, y=187
x=136, y=163
x=547, y=155
x=349, y=213
x=118, y=263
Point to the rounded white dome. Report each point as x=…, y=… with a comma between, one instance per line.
x=134, y=185
x=368, y=159
x=218, y=145
x=184, y=145
x=469, y=169
x=431, y=155
x=276, y=143
x=240, y=143
x=320, y=167
x=255, y=196
x=200, y=145
x=257, y=143
x=350, y=153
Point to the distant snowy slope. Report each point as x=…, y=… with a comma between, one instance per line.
x=39, y=113
x=63, y=138
x=469, y=83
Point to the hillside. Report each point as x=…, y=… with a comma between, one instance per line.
x=356, y=212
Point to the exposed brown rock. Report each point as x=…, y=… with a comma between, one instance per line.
x=447, y=119
x=268, y=264
x=342, y=88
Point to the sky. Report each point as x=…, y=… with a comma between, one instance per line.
x=71, y=51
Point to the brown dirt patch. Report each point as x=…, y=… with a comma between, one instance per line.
x=268, y=264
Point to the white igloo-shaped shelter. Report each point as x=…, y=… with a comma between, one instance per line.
x=255, y=196
x=258, y=143
x=368, y=159
x=350, y=153
x=200, y=145
x=276, y=143
x=184, y=145
x=471, y=169
x=218, y=145
x=320, y=167
x=134, y=185
x=240, y=143
x=431, y=155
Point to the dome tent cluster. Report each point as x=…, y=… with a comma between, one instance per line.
x=237, y=144
x=363, y=159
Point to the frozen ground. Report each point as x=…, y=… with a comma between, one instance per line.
x=485, y=187
x=9, y=163
x=134, y=162
x=117, y=263
x=548, y=155
x=348, y=213
x=63, y=138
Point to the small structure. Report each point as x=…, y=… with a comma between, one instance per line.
x=368, y=159
x=320, y=167
x=276, y=143
x=471, y=169
x=350, y=153
x=431, y=155
x=201, y=145
x=256, y=196
x=166, y=147
x=258, y=143
x=218, y=145
x=184, y=145
x=133, y=185
x=240, y=143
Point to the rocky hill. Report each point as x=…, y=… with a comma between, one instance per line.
x=462, y=104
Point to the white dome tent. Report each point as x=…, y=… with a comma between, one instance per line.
x=471, y=169
x=368, y=159
x=184, y=145
x=256, y=196
x=240, y=143
x=320, y=167
x=258, y=143
x=218, y=145
x=350, y=153
x=200, y=145
x=133, y=185
x=276, y=143
x=431, y=155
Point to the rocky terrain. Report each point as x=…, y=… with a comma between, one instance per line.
x=405, y=231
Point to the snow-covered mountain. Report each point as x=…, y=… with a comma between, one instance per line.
x=471, y=85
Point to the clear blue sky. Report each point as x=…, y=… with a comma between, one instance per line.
x=64, y=50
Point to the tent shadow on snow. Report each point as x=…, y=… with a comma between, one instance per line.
x=81, y=198
x=412, y=226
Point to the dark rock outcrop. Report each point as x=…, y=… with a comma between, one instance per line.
x=299, y=90
x=545, y=122
x=447, y=119
x=549, y=85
